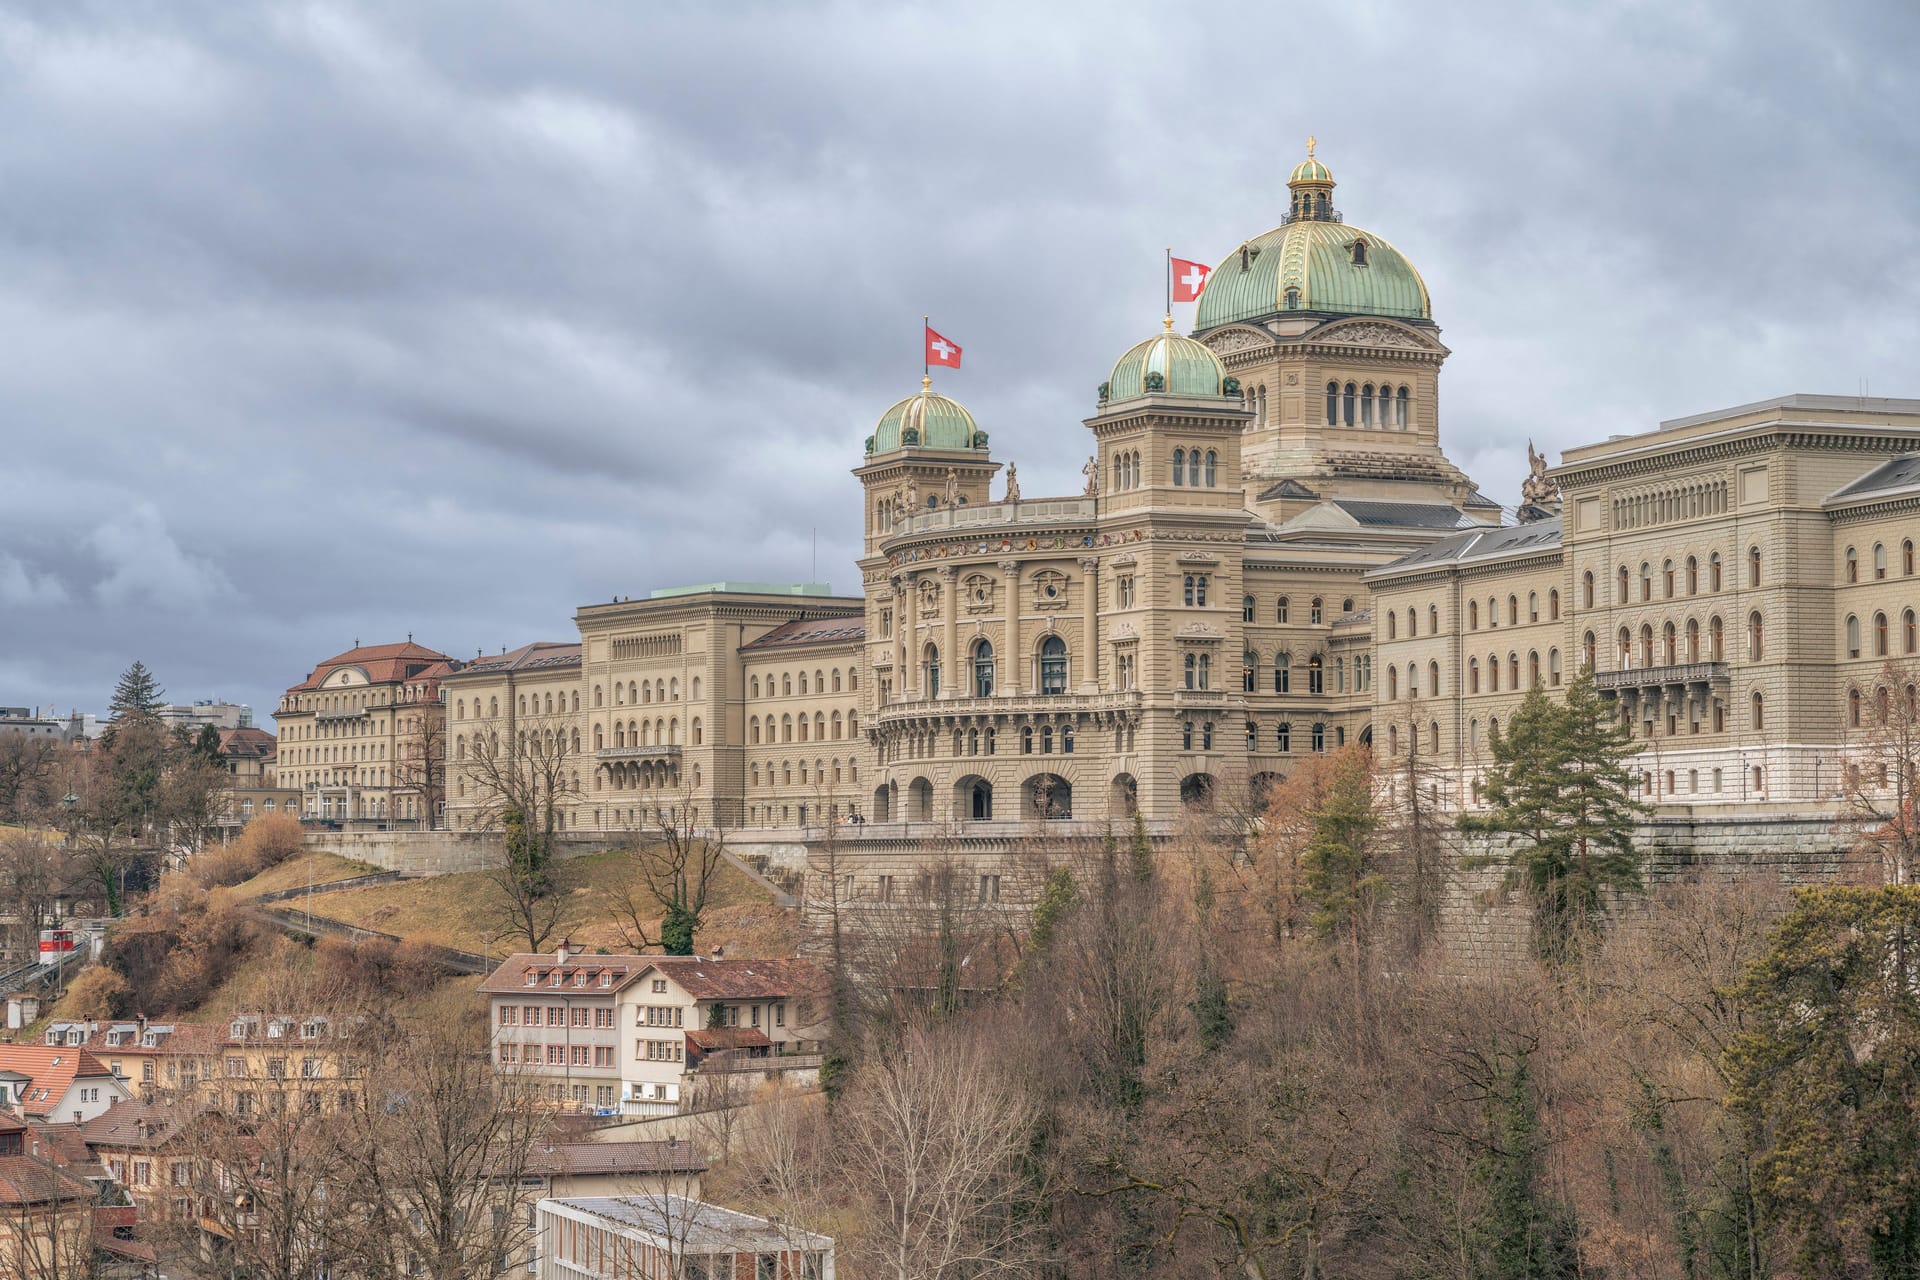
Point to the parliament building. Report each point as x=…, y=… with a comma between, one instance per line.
x=1272, y=557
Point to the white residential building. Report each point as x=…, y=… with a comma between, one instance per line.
x=614, y=1237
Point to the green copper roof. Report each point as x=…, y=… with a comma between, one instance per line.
x=1314, y=259
x=926, y=421
x=1185, y=368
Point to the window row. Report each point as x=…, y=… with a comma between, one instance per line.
x=1283, y=610
x=1671, y=575
x=1672, y=645
x=1534, y=676
x=1282, y=737
x=1851, y=561
x=981, y=673
x=786, y=683
x=823, y=772
x=1316, y=673
x=1126, y=470
x=1513, y=611
x=642, y=733
x=1193, y=468
x=1909, y=634
x=1366, y=405
x=821, y=728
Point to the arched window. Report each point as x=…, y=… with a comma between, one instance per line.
x=1316, y=675
x=1513, y=611
x=1553, y=605
x=1853, y=565
x=1646, y=581
x=1249, y=661
x=1879, y=635
x=1393, y=625
x=1493, y=673
x=1670, y=645
x=1693, y=575
x=1621, y=597
x=1246, y=608
x=1053, y=666
x=1693, y=640
x=1179, y=466
x=1359, y=253
x=1589, y=651
x=1473, y=675
x=1553, y=666
x=1280, y=611
x=932, y=668
x=1315, y=611
x=1413, y=622
x=1879, y=560
x=1906, y=557
x=1213, y=460
x=1756, y=637
x=1433, y=619
x=1400, y=410
x=1513, y=670
x=1909, y=632
x=1753, y=566
x=1713, y=572
x=1533, y=668
x=1853, y=636
x=699, y=736
x=1393, y=684
x=1283, y=673
x=1346, y=406
x=1853, y=708
x=1759, y=710
x=1366, y=405
x=983, y=669
x=1333, y=403
x=1433, y=679
x=1586, y=590
x=1666, y=579
x=1646, y=644
x=1716, y=640
x=1473, y=614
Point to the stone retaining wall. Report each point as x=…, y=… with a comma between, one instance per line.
x=438, y=853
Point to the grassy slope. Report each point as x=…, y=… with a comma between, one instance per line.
x=324, y=868
x=463, y=910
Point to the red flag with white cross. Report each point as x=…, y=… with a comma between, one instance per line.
x=940, y=351
x=1189, y=278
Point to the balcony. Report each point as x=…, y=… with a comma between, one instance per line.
x=991, y=515
x=342, y=713
x=671, y=751
x=1677, y=675
x=1059, y=704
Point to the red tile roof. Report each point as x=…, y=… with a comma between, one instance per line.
x=138, y=1124
x=246, y=744
x=51, y=1069
x=27, y=1181
x=511, y=975
x=711, y=1038
x=706, y=979
x=383, y=663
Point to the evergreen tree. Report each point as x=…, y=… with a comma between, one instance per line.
x=138, y=694
x=1142, y=851
x=1559, y=785
x=1523, y=1233
x=1344, y=881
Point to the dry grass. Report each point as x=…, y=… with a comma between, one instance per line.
x=463, y=910
x=325, y=868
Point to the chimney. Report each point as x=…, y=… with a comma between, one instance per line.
x=564, y=950
x=720, y=952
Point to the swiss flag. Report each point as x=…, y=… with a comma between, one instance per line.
x=940, y=351
x=1189, y=278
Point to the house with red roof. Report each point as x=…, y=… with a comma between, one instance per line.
x=57, y=1083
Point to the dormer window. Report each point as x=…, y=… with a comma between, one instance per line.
x=580, y=979
x=558, y=977
x=533, y=979
x=1293, y=299
x=1359, y=250
x=606, y=979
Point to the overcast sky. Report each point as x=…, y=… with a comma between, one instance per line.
x=324, y=322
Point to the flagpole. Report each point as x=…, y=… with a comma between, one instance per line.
x=1168, y=281
x=926, y=370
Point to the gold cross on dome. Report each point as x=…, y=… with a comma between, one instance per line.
x=1311, y=141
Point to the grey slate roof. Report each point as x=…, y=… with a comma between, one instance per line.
x=1402, y=515
x=1901, y=473
x=1482, y=544
x=695, y=1226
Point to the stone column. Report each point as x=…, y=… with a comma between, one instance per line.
x=903, y=687
x=1090, y=625
x=949, y=639
x=1013, y=662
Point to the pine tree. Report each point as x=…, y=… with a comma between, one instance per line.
x=1344, y=879
x=1559, y=784
x=138, y=694
x=1523, y=1233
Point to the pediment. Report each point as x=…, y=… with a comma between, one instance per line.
x=1200, y=632
x=1197, y=557
x=1370, y=333
x=1238, y=338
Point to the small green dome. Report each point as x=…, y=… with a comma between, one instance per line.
x=1310, y=170
x=1166, y=364
x=926, y=421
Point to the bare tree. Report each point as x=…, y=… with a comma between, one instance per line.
x=46, y=1224
x=439, y=1153
x=931, y=1136
x=26, y=764
x=420, y=760
x=1418, y=838
x=34, y=873
x=1880, y=777
x=674, y=868
x=530, y=773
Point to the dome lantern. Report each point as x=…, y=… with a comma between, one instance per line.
x=1312, y=185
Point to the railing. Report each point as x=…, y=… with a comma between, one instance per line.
x=989, y=514
x=637, y=753
x=740, y=1060
x=1647, y=677
x=1010, y=704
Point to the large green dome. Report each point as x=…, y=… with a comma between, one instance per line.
x=1314, y=262
x=926, y=421
x=1166, y=364
x=1312, y=266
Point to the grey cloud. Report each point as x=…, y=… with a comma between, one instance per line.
x=339, y=320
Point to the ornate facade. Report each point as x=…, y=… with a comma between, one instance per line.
x=1272, y=556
